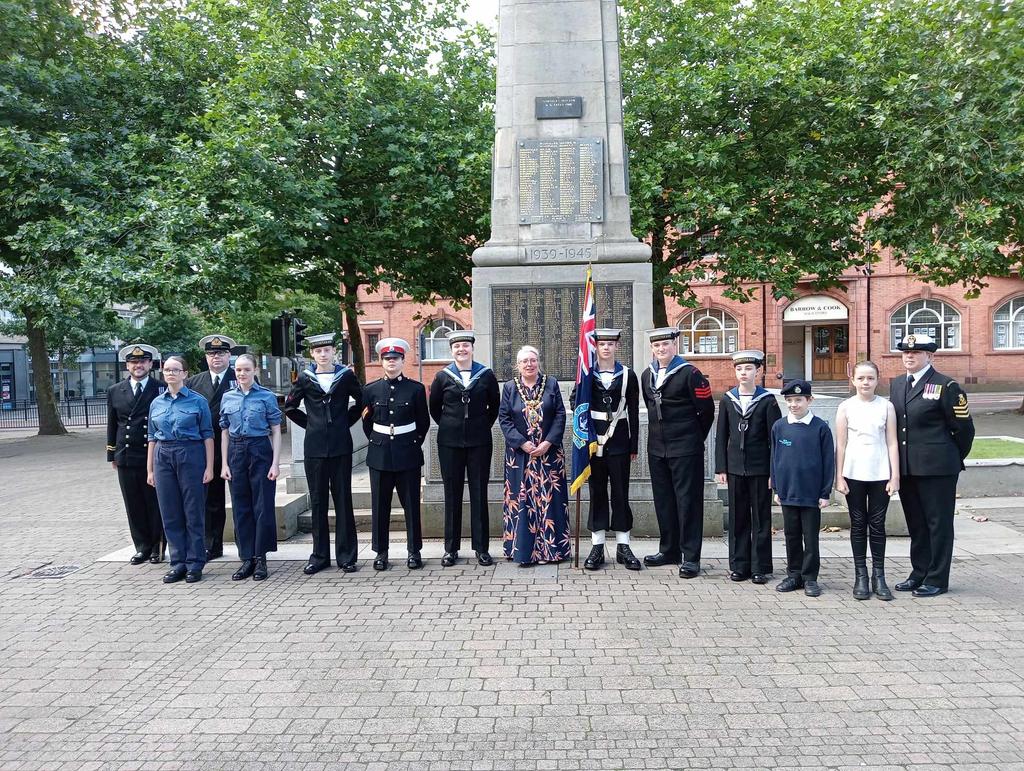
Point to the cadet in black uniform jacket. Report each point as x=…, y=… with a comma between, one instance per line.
x=218, y=359
x=935, y=432
x=464, y=402
x=333, y=400
x=614, y=396
x=128, y=445
x=395, y=420
x=743, y=461
x=680, y=414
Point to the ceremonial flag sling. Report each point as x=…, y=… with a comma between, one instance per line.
x=584, y=438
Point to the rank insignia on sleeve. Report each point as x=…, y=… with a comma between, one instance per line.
x=702, y=392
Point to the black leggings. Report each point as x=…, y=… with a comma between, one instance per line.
x=868, y=503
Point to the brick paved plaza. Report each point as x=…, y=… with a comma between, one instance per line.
x=479, y=668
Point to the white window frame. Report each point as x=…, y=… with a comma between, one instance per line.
x=921, y=315
x=720, y=331
x=434, y=339
x=1011, y=328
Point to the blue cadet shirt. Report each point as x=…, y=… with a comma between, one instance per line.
x=249, y=414
x=185, y=418
x=803, y=461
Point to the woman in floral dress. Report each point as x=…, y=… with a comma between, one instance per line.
x=532, y=418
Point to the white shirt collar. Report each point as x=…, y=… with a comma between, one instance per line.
x=915, y=377
x=806, y=419
x=144, y=382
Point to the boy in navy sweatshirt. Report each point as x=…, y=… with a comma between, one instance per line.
x=803, y=469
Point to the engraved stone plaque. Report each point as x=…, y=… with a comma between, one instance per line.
x=548, y=318
x=560, y=180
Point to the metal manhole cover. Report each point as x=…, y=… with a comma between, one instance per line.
x=53, y=571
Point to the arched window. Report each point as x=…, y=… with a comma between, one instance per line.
x=1008, y=326
x=434, y=339
x=708, y=330
x=939, y=320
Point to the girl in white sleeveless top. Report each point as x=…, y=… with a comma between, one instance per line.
x=868, y=473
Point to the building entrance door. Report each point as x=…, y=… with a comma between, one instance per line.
x=831, y=351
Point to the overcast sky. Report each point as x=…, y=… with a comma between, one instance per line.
x=483, y=11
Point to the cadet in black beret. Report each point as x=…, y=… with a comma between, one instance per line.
x=935, y=432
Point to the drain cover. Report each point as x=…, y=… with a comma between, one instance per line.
x=53, y=571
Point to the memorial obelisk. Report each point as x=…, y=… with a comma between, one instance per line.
x=559, y=192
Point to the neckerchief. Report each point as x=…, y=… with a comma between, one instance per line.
x=339, y=372
x=453, y=371
x=734, y=397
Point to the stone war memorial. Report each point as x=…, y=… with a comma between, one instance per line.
x=559, y=201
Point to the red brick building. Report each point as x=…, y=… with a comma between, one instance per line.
x=818, y=336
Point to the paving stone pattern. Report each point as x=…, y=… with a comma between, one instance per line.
x=473, y=668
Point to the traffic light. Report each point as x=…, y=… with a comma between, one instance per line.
x=299, y=335
x=280, y=327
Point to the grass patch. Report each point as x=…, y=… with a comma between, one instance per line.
x=983, y=449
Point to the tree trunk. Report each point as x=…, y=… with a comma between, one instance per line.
x=1020, y=410
x=355, y=338
x=49, y=418
x=659, y=271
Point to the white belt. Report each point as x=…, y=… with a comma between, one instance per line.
x=394, y=430
x=606, y=416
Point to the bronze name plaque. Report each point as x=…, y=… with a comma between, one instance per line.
x=548, y=318
x=560, y=180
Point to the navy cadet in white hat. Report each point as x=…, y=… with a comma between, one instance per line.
x=395, y=420
x=127, y=446
x=746, y=414
x=681, y=412
x=464, y=401
x=615, y=412
x=218, y=379
x=935, y=431
x=333, y=399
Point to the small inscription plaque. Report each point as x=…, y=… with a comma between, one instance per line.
x=551, y=107
x=560, y=180
x=548, y=317
x=550, y=253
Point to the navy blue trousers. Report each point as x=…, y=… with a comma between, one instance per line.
x=179, y=467
x=252, y=495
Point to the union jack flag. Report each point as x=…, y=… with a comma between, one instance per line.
x=584, y=438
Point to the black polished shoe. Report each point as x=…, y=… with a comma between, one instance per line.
x=315, y=566
x=349, y=567
x=414, y=561
x=926, y=590
x=657, y=560
x=734, y=576
x=138, y=558
x=689, y=570
x=243, y=572
x=907, y=586
x=484, y=558
x=173, y=576
x=595, y=559
x=789, y=584
x=761, y=578
x=624, y=556
x=261, y=572
x=811, y=589
x=449, y=559
x=213, y=554
x=193, y=576
x=381, y=563
x=156, y=559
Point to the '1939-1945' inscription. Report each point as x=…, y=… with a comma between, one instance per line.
x=581, y=253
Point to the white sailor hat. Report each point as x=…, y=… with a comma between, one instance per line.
x=662, y=333
x=918, y=342
x=137, y=352
x=318, y=341
x=461, y=336
x=212, y=343
x=607, y=334
x=392, y=346
x=748, y=357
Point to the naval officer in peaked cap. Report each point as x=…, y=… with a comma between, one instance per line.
x=464, y=401
x=218, y=379
x=395, y=420
x=681, y=412
x=935, y=433
x=128, y=445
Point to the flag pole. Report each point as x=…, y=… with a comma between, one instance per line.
x=576, y=551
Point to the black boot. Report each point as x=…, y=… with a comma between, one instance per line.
x=878, y=585
x=596, y=558
x=860, y=581
x=624, y=556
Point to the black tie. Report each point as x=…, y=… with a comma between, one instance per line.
x=216, y=382
x=910, y=386
x=138, y=390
